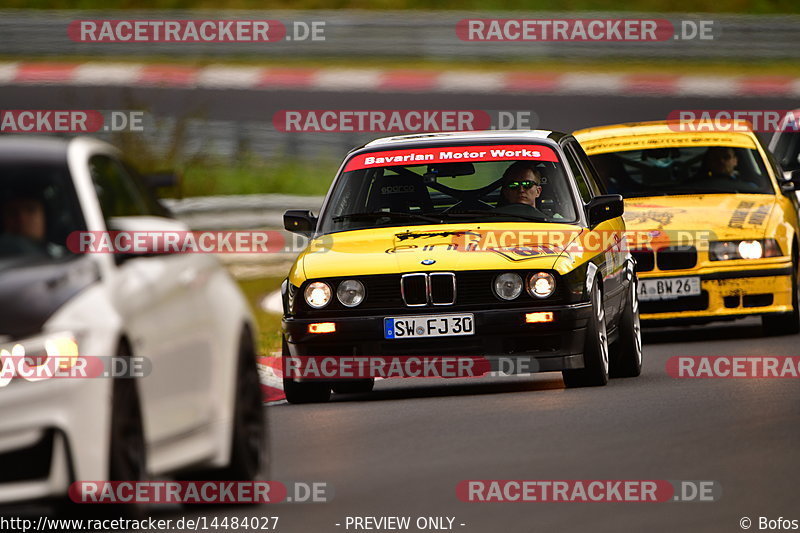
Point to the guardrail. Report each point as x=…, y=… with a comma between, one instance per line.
x=404, y=34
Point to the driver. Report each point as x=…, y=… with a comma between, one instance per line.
x=719, y=162
x=23, y=215
x=520, y=187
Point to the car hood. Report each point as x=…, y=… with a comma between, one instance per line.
x=437, y=248
x=31, y=290
x=721, y=216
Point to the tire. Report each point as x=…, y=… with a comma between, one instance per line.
x=626, y=353
x=595, y=349
x=127, y=449
x=306, y=392
x=786, y=323
x=249, y=461
x=362, y=386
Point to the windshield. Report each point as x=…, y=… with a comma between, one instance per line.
x=38, y=210
x=450, y=184
x=683, y=170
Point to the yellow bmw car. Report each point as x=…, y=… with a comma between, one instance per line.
x=488, y=244
x=712, y=222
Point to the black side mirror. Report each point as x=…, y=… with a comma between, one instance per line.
x=792, y=184
x=299, y=221
x=161, y=180
x=605, y=207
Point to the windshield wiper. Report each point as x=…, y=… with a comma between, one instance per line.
x=387, y=214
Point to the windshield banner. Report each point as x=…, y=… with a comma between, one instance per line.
x=449, y=154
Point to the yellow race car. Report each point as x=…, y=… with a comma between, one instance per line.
x=498, y=245
x=712, y=222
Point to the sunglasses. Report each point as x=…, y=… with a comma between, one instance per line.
x=526, y=184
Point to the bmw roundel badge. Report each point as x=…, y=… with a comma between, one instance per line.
x=428, y=261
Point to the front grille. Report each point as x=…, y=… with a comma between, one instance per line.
x=414, y=289
x=645, y=260
x=443, y=288
x=677, y=258
x=731, y=302
x=686, y=303
x=32, y=463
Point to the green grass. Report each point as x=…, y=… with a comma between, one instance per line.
x=269, y=325
x=694, y=6
x=307, y=178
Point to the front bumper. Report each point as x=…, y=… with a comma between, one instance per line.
x=732, y=292
x=556, y=345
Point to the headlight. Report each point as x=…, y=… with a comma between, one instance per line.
x=318, y=294
x=750, y=250
x=508, y=286
x=755, y=249
x=350, y=292
x=541, y=285
x=57, y=350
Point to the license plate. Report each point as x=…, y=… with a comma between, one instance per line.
x=668, y=288
x=417, y=327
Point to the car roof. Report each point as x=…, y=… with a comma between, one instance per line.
x=419, y=139
x=663, y=133
x=33, y=149
x=663, y=127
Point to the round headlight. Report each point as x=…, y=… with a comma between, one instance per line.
x=318, y=294
x=750, y=250
x=350, y=292
x=541, y=285
x=508, y=286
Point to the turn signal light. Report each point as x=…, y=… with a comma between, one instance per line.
x=322, y=327
x=536, y=318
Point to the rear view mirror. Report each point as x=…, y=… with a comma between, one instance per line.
x=299, y=221
x=605, y=207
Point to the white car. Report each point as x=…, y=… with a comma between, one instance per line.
x=198, y=411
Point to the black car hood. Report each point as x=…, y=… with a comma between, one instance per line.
x=32, y=290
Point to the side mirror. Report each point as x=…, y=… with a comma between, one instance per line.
x=792, y=183
x=161, y=180
x=299, y=221
x=141, y=224
x=605, y=207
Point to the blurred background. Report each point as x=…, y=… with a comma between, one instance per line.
x=209, y=109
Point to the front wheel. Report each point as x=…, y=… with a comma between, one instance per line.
x=626, y=352
x=786, y=323
x=595, y=349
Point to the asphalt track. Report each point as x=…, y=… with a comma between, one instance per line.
x=402, y=450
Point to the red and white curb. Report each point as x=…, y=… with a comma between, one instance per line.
x=392, y=80
x=271, y=375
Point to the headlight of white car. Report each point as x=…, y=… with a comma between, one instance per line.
x=59, y=349
x=754, y=249
x=318, y=294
